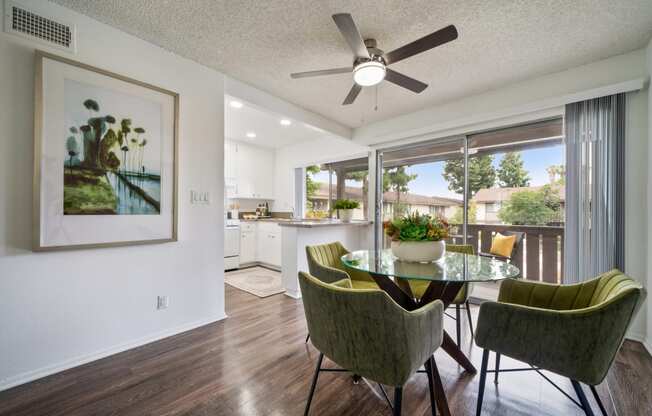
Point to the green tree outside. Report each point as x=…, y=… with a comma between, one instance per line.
x=311, y=185
x=397, y=179
x=458, y=216
x=511, y=173
x=482, y=174
x=526, y=208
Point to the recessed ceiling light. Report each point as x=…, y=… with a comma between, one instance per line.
x=285, y=122
x=251, y=135
x=236, y=104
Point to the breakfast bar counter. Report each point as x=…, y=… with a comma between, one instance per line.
x=297, y=234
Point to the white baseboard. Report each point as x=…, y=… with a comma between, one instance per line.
x=293, y=294
x=32, y=375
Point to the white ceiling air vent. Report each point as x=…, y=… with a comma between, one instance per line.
x=30, y=25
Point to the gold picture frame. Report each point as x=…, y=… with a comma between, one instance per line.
x=39, y=111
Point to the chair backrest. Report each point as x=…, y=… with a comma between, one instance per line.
x=463, y=295
x=325, y=257
x=366, y=332
x=460, y=248
x=608, y=304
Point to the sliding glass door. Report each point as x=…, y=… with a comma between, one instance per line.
x=426, y=178
x=508, y=181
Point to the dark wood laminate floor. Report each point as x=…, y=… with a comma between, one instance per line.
x=256, y=363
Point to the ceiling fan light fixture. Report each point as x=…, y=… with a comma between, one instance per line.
x=369, y=73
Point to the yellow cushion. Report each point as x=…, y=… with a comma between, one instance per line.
x=502, y=245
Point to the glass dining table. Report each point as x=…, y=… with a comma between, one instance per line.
x=446, y=277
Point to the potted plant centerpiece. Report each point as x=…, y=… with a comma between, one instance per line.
x=417, y=238
x=345, y=208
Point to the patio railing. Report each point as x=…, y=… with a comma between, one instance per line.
x=540, y=256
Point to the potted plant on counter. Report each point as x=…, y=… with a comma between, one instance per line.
x=345, y=209
x=417, y=238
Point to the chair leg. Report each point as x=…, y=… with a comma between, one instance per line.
x=431, y=388
x=483, y=379
x=458, y=324
x=440, y=394
x=468, y=314
x=596, y=396
x=308, y=337
x=398, y=398
x=580, y=395
x=497, y=368
x=314, y=384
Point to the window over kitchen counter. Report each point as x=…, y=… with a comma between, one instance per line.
x=328, y=182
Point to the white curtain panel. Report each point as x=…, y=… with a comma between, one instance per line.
x=595, y=151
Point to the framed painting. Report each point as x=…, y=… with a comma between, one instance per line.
x=105, y=158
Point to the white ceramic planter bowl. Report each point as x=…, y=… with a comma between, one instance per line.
x=419, y=251
x=346, y=215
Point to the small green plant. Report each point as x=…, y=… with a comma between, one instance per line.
x=416, y=227
x=346, y=204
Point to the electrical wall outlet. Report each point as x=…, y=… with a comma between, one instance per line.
x=162, y=302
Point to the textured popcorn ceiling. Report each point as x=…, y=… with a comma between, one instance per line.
x=262, y=41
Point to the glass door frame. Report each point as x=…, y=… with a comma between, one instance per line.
x=378, y=154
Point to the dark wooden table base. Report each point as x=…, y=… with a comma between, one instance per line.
x=445, y=291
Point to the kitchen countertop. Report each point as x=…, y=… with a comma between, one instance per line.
x=307, y=223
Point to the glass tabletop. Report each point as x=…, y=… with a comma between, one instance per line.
x=452, y=267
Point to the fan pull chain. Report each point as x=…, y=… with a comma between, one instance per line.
x=376, y=98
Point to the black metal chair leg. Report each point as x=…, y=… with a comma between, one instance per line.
x=398, y=398
x=468, y=314
x=458, y=325
x=497, y=368
x=580, y=395
x=483, y=378
x=308, y=338
x=596, y=396
x=314, y=384
x=433, y=402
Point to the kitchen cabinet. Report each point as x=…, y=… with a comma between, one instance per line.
x=269, y=243
x=252, y=169
x=248, y=244
x=260, y=242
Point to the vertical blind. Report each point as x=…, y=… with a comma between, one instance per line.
x=595, y=178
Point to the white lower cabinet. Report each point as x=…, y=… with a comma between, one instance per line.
x=248, y=245
x=260, y=242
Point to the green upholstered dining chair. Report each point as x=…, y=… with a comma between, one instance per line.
x=364, y=331
x=461, y=301
x=324, y=263
x=572, y=330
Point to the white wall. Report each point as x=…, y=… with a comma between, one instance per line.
x=636, y=193
x=307, y=153
x=648, y=310
x=60, y=309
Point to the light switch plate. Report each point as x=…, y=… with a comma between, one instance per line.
x=162, y=302
x=199, y=197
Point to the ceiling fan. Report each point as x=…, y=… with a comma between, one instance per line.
x=370, y=63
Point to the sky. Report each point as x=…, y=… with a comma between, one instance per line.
x=430, y=181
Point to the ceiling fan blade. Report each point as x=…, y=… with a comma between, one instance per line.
x=405, y=81
x=430, y=41
x=349, y=30
x=321, y=72
x=353, y=94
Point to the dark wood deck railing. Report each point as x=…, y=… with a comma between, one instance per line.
x=540, y=256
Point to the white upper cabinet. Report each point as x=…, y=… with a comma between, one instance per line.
x=251, y=169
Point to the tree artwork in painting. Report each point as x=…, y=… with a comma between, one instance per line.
x=104, y=169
